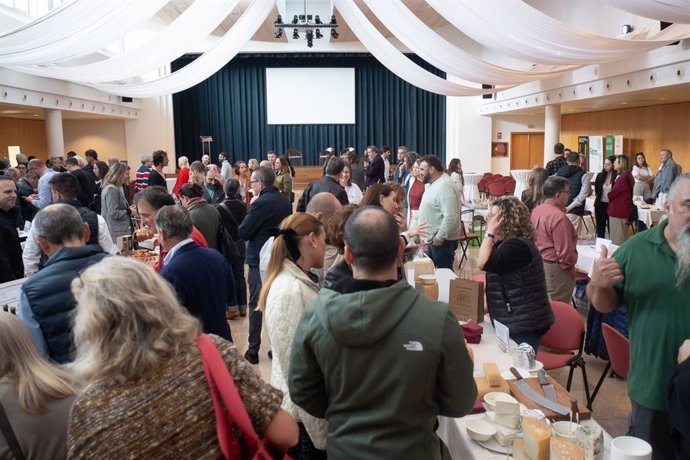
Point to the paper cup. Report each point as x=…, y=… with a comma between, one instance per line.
x=630, y=448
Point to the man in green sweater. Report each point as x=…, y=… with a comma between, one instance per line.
x=376, y=358
x=440, y=208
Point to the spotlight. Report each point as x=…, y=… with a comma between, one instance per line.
x=317, y=20
x=333, y=21
x=310, y=38
x=334, y=34
x=295, y=19
x=279, y=33
x=279, y=20
x=295, y=34
x=318, y=33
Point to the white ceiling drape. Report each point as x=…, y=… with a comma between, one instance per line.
x=195, y=24
x=81, y=28
x=666, y=10
x=205, y=65
x=516, y=28
x=430, y=46
x=393, y=59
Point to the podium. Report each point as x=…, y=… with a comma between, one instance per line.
x=206, y=145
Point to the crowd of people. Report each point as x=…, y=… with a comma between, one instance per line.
x=102, y=357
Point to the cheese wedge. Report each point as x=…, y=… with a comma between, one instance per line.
x=537, y=435
x=591, y=438
x=506, y=404
x=492, y=374
x=519, y=450
x=508, y=421
x=504, y=435
x=562, y=449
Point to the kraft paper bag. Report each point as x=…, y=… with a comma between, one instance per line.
x=466, y=300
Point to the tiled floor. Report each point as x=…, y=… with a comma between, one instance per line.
x=611, y=406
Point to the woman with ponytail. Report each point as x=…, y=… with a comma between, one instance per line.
x=35, y=395
x=300, y=245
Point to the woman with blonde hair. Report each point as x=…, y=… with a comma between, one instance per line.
x=35, y=395
x=146, y=395
x=114, y=207
x=299, y=245
x=515, y=282
x=182, y=175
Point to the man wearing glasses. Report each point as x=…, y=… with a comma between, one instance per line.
x=265, y=213
x=556, y=239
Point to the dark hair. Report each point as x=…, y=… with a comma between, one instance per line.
x=644, y=159
x=103, y=169
x=191, y=191
x=71, y=154
x=352, y=157
x=175, y=221
x=410, y=159
x=91, y=153
x=72, y=161
x=66, y=185
x=4, y=163
x=453, y=165
x=231, y=187
x=434, y=162
x=372, y=197
x=558, y=149
x=265, y=175
x=386, y=148
x=335, y=166
x=573, y=158
x=156, y=196
x=554, y=185
x=197, y=166
x=335, y=228
x=159, y=157
x=372, y=235
x=236, y=167
x=612, y=159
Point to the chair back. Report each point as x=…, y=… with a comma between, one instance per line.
x=618, y=347
x=567, y=331
x=510, y=187
x=496, y=189
x=463, y=231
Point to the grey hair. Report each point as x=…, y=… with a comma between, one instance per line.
x=11, y=172
x=335, y=166
x=676, y=185
x=146, y=158
x=175, y=221
x=554, y=185
x=265, y=175
x=59, y=223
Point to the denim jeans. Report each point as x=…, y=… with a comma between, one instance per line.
x=531, y=338
x=443, y=255
x=654, y=427
x=255, y=316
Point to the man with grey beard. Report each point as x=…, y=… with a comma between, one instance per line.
x=650, y=273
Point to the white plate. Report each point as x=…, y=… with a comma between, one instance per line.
x=538, y=365
x=499, y=457
x=494, y=446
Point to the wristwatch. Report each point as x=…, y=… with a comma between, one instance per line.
x=491, y=235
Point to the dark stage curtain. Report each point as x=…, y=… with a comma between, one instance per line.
x=230, y=106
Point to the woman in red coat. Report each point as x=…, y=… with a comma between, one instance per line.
x=620, y=201
x=182, y=176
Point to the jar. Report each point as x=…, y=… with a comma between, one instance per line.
x=429, y=286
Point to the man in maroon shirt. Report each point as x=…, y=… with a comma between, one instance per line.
x=556, y=239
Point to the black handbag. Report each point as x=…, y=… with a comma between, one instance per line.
x=226, y=245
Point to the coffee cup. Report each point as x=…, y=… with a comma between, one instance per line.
x=630, y=448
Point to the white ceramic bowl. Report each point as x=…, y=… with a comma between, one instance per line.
x=490, y=399
x=480, y=430
x=565, y=429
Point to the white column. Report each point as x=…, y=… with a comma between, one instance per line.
x=552, y=129
x=54, y=135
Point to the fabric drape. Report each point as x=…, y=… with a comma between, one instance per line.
x=231, y=106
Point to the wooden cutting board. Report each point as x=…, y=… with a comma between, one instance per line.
x=561, y=393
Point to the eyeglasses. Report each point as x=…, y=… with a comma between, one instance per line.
x=252, y=181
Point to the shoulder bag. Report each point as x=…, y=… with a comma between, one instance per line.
x=10, y=437
x=229, y=408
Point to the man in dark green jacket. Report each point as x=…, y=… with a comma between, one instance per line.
x=376, y=358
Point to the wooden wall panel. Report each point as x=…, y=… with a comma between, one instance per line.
x=29, y=135
x=649, y=129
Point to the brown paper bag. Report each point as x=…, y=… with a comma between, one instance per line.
x=466, y=300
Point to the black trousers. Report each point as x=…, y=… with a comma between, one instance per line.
x=602, y=217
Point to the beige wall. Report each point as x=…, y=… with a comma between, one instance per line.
x=107, y=137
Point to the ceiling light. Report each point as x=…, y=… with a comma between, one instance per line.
x=312, y=26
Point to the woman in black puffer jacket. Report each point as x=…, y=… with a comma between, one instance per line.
x=516, y=286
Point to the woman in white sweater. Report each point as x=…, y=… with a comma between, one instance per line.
x=299, y=245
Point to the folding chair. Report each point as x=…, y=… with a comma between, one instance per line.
x=618, y=347
x=464, y=240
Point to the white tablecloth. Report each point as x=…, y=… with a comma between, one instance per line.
x=170, y=181
x=651, y=216
x=521, y=176
x=589, y=204
x=452, y=430
x=471, y=190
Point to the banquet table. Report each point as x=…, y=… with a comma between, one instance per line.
x=588, y=253
x=170, y=182
x=471, y=190
x=650, y=216
x=452, y=430
x=521, y=177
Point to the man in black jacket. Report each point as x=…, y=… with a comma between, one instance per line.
x=46, y=303
x=11, y=266
x=328, y=183
x=265, y=213
x=375, y=173
x=87, y=186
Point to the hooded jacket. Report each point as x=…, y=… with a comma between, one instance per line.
x=380, y=361
x=574, y=175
